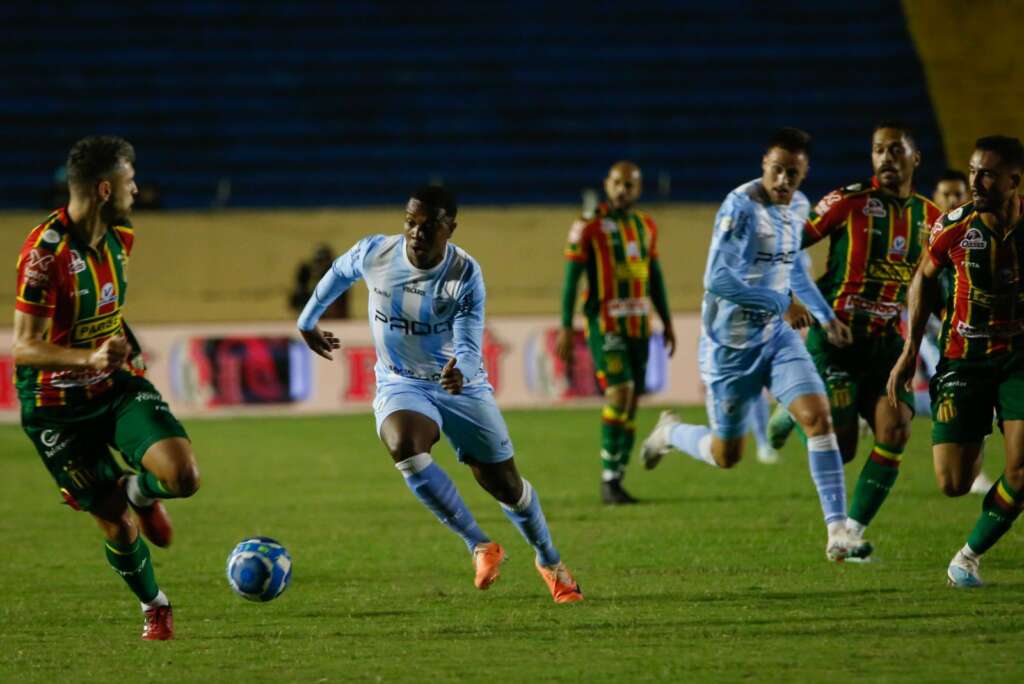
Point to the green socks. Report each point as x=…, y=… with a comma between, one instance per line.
x=133, y=564
x=613, y=433
x=1001, y=507
x=875, y=481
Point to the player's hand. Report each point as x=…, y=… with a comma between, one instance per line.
x=839, y=334
x=670, y=340
x=451, y=377
x=111, y=354
x=901, y=376
x=564, y=344
x=797, y=315
x=321, y=342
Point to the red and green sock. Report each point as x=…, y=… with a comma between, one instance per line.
x=1000, y=508
x=875, y=481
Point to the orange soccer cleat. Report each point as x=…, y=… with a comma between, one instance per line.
x=159, y=624
x=564, y=589
x=155, y=523
x=488, y=559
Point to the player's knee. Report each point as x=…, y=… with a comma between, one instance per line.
x=815, y=422
x=727, y=453
x=402, y=447
x=186, y=482
x=619, y=396
x=896, y=435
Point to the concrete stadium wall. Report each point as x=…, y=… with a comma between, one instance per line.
x=970, y=50
x=239, y=265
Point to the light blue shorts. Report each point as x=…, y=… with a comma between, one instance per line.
x=471, y=421
x=734, y=378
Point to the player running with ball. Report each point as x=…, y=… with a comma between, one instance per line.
x=426, y=311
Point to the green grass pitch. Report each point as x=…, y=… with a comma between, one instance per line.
x=717, y=576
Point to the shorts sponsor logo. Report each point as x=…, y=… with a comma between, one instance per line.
x=77, y=263
x=149, y=396
x=973, y=239
x=946, y=410
x=877, y=309
x=96, y=327
x=82, y=478
x=49, y=437
x=840, y=397
x=875, y=208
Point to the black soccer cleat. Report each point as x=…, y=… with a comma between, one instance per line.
x=613, y=494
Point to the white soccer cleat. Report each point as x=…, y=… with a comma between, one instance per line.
x=963, y=572
x=657, y=445
x=981, y=484
x=767, y=455
x=844, y=546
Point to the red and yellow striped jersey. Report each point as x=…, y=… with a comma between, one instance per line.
x=81, y=291
x=985, y=310
x=617, y=248
x=875, y=242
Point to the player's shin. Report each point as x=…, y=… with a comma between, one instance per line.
x=1000, y=508
x=613, y=423
x=628, y=440
x=133, y=564
x=527, y=516
x=873, y=486
x=432, y=486
x=694, y=440
x=826, y=465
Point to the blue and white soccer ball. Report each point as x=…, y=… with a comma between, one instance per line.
x=259, y=569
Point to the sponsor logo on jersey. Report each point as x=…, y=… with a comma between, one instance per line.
x=827, y=202
x=37, y=269
x=406, y=326
x=889, y=271
x=884, y=310
x=632, y=250
x=96, y=327
x=874, y=207
x=77, y=264
x=412, y=289
x=973, y=239
x=787, y=257
x=608, y=226
x=632, y=270
x=107, y=294
x=854, y=187
x=634, y=306
x=1003, y=329
x=381, y=293
x=898, y=248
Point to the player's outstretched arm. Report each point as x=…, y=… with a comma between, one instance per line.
x=924, y=291
x=343, y=273
x=31, y=348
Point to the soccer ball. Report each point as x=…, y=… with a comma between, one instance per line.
x=259, y=569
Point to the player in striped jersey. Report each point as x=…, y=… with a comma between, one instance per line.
x=982, y=343
x=618, y=250
x=748, y=341
x=876, y=231
x=78, y=395
x=426, y=310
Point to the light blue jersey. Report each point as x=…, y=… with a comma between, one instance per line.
x=419, y=319
x=753, y=264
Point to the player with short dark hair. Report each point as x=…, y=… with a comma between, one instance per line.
x=426, y=311
x=78, y=394
x=982, y=343
x=617, y=249
x=748, y=338
x=876, y=230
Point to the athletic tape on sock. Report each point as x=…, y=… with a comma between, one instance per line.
x=823, y=443
x=414, y=464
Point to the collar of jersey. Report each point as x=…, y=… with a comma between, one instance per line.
x=432, y=269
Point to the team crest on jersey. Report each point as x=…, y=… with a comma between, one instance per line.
x=77, y=264
x=973, y=239
x=444, y=307
x=874, y=207
x=898, y=248
x=107, y=294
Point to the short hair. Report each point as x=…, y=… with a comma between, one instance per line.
x=900, y=126
x=790, y=139
x=94, y=158
x=1009, y=149
x=437, y=197
x=953, y=175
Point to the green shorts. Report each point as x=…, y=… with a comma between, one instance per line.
x=618, y=359
x=74, y=441
x=965, y=394
x=856, y=376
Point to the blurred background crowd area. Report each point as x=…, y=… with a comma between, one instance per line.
x=265, y=131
